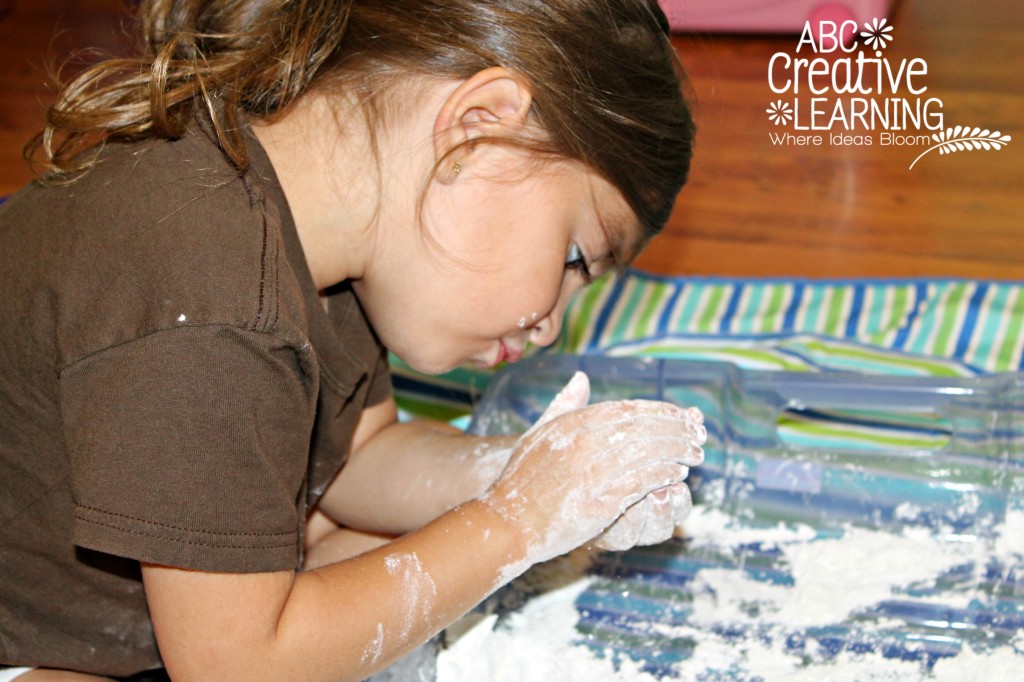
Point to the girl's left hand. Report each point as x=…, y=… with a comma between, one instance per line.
x=650, y=521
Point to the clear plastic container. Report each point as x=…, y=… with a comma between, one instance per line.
x=825, y=449
x=943, y=456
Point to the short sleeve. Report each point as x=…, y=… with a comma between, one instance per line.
x=188, y=447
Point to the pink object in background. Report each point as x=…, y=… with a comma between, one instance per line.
x=769, y=16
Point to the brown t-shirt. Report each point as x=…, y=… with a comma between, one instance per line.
x=171, y=391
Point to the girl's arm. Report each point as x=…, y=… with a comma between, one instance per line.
x=401, y=476
x=567, y=480
x=342, y=621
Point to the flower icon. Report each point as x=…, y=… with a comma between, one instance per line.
x=779, y=112
x=877, y=34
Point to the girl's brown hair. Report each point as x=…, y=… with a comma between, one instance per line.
x=605, y=80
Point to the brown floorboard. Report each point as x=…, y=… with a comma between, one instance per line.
x=751, y=208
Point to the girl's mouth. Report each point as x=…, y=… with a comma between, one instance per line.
x=506, y=354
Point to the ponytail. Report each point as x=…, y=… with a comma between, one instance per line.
x=225, y=59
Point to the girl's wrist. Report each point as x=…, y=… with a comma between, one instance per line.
x=499, y=536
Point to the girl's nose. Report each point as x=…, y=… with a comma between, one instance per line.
x=545, y=331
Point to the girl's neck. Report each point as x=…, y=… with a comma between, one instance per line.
x=325, y=163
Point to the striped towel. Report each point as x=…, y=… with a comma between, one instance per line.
x=933, y=327
x=977, y=325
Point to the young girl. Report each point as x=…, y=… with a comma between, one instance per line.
x=201, y=464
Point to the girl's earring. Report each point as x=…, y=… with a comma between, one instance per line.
x=457, y=168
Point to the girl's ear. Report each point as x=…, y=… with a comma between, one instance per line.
x=491, y=103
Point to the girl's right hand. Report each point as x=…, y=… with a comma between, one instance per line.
x=580, y=468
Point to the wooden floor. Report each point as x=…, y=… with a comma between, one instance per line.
x=751, y=208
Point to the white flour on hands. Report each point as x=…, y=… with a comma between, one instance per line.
x=580, y=468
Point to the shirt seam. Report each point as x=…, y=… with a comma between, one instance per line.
x=167, y=525
x=257, y=202
x=186, y=542
x=180, y=327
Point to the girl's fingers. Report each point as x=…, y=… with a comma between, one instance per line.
x=583, y=471
x=650, y=521
x=682, y=503
x=573, y=396
x=625, y=531
x=659, y=522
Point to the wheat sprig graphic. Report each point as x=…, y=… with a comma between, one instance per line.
x=964, y=139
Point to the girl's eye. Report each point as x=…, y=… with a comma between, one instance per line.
x=574, y=260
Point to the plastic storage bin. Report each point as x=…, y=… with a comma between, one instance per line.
x=823, y=449
x=940, y=456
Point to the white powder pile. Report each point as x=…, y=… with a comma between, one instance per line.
x=533, y=644
x=1010, y=542
x=833, y=579
x=1003, y=665
x=751, y=658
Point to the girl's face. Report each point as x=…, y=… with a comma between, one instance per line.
x=492, y=260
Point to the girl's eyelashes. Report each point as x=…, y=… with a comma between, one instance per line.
x=575, y=260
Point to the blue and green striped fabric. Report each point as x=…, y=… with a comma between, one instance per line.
x=908, y=326
x=926, y=327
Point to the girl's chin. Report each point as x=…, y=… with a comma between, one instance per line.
x=436, y=361
x=425, y=365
